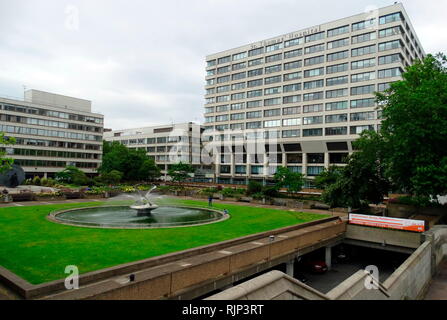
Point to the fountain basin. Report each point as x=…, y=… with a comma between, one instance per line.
x=128, y=218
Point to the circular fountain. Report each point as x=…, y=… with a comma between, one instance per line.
x=142, y=214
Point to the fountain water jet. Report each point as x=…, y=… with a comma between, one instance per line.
x=143, y=206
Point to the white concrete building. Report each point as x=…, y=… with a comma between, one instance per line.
x=52, y=131
x=167, y=145
x=300, y=99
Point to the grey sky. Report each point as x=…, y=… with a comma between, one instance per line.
x=143, y=62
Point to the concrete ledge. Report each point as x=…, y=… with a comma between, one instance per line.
x=270, y=286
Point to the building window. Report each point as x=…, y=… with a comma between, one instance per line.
x=340, y=105
x=273, y=69
x=290, y=111
x=290, y=133
x=313, y=108
x=313, y=96
x=314, y=37
x=254, y=83
x=293, y=53
x=366, y=76
x=313, y=60
x=272, y=80
x=390, y=45
x=337, y=31
x=272, y=101
x=272, y=123
x=273, y=58
x=224, y=60
x=338, y=43
x=364, y=24
x=313, y=72
x=313, y=49
x=272, y=112
x=292, y=76
x=292, y=87
x=363, y=51
x=291, y=99
x=390, y=73
x=292, y=65
x=337, y=81
x=274, y=47
x=254, y=93
x=255, y=72
x=336, y=93
x=254, y=114
x=363, y=103
x=338, y=56
x=361, y=64
x=313, y=84
x=291, y=122
x=362, y=116
x=239, y=56
x=362, y=90
x=314, y=171
x=312, y=132
x=336, y=131
x=293, y=42
x=360, y=129
x=312, y=120
x=364, y=37
x=255, y=52
x=391, y=59
x=333, y=118
x=337, y=68
x=391, y=18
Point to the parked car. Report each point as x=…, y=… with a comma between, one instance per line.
x=317, y=266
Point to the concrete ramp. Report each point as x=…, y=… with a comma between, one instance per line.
x=273, y=285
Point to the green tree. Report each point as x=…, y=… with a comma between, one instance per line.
x=362, y=180
x=415, y=128
x=149, y=170
x=134, y=164
x=253, y=187
x=72, y=175
x=285, y=178
x=112, y=177
x=327, y=177
x=179, y=172
x=5, y=162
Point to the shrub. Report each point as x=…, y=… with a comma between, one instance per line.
x=254, y=187
x=270, y=192
x=258, y=196
x=36, y=181
x=44, y=182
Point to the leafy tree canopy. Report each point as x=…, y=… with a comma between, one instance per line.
x=135, y=165
x=180, y=172
x=5, y=162
x=415, y=128
x=285, y=178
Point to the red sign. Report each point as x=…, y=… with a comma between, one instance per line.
x=387, y=222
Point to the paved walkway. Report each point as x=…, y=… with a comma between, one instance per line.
x=438, y=286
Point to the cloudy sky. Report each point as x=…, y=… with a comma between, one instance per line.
x=143, y=62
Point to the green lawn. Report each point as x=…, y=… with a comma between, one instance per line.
x=38, y=250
